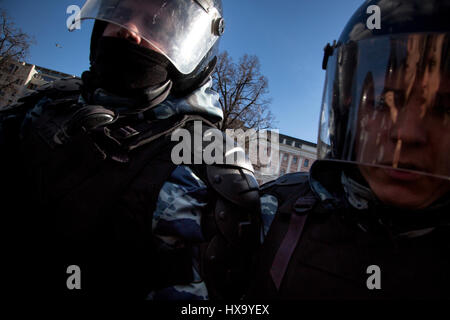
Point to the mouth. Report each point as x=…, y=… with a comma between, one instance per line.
x=404, y=171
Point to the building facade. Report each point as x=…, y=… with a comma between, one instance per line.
x=294, y=155
x=18, y=79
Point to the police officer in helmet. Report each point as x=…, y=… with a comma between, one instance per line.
x=95, y=156
x=371, y=219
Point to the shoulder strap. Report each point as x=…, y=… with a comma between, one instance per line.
x=296, y=201
x=302, y=206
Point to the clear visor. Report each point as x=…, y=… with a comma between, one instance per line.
x=182, y=30
x=387, y=104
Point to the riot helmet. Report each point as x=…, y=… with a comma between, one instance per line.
x=386, y=100
x=185, y=32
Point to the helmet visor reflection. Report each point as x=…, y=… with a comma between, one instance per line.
x=182, y=30
x=387, y=103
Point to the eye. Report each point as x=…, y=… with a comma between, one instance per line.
x=442, y=104
x=432, y=64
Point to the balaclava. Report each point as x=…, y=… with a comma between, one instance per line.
x=124, y=68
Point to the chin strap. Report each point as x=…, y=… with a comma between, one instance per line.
x=358, y=195
x=185, y=84
x=397, y=221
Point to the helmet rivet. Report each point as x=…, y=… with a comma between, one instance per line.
x=219, y=26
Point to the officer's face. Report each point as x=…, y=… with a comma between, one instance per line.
x=411, y=130
x=131, y=16
x=130, y=32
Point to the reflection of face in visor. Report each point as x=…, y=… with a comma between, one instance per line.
x=403, y=120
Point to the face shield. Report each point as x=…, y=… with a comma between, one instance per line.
x=386, y=104
x=182, y=30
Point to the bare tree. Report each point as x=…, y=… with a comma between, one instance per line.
x=242, y=89
x=14, y=44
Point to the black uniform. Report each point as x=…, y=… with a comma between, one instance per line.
x=81, y=184
x=334, y=243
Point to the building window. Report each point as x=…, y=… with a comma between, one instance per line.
x=306, y=163
x=285, y=157
x=282, y=172
x=295, y=160
x=31, y=86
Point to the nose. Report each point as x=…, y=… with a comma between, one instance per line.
x=129, y=31
x=410, y=126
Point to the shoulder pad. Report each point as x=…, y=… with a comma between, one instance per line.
x=227, y=152
x=233, y=154
x=287, y=180
x=231, y=174
x=293, y=193
x=54, y=90
x=237, y=185
x=63, y=85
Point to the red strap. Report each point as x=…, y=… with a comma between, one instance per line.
x=286, y=249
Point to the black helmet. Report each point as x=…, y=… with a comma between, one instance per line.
x=186, y=32
x=387, y=88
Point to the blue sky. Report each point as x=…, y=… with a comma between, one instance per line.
x=287, y=36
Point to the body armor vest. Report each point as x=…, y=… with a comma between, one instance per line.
x=313, y=251
x=91, y=183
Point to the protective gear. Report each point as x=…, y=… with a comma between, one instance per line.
x=385, y=105
x=386, y=98
x=320, y=247
x=100, y=178
x=233, y=227
x=185, y=32
x=384, y=113
x=122, y=67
